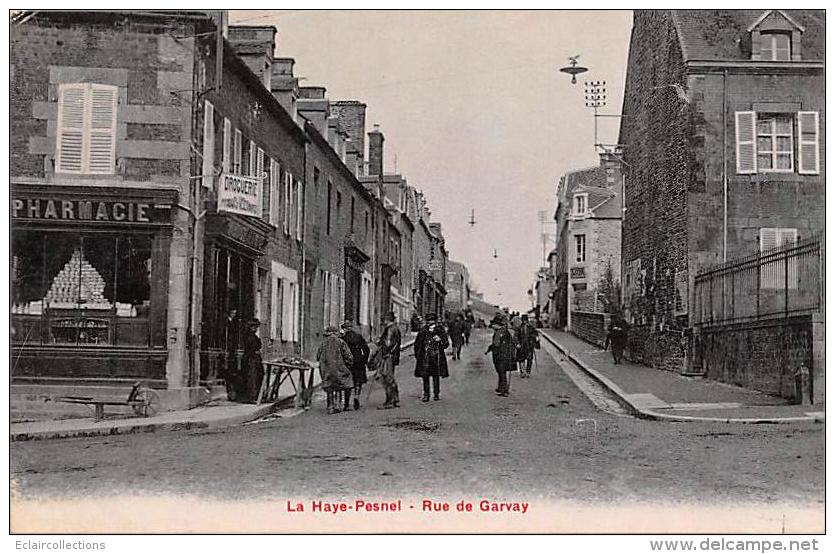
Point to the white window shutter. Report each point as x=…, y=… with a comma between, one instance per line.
x=808, y=139
x=101, y=147
x=253, y=160
x=208, y=171
x=786, y=237
x=768, y=238
x=275, y=193
x=238, y=151
x=70, y=144
x=326, y=299
x=746, y=142
x=299, y=209
x=288, y=178
x=273, y=307
x=227, y=145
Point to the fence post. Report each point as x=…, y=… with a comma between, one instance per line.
x=786, y=282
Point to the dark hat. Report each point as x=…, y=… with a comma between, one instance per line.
x=347, y=324
x=254, y=321
x=430, y=317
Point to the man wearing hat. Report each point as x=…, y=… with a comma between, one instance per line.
x=359, y=350
x=504, y=352
x=253, y=369
x=429, y=346
x=335, y=361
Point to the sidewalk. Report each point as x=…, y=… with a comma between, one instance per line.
x=665, y=395
x=219, y=413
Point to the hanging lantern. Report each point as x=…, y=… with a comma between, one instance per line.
x=573, y=69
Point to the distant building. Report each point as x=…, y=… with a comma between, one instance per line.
x=457, y=287
x=588, y=218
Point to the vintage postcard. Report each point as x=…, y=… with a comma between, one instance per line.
x=417, y=271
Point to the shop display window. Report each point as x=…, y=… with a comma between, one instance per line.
x=81, y=289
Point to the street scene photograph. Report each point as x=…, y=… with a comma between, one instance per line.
x=417, y=271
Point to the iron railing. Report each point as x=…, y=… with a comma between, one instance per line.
x=781, y=282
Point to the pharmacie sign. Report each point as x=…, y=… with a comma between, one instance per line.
x=64, y=209
x=239, y=195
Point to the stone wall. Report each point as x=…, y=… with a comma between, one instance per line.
x=761, y=356
x=590, y=326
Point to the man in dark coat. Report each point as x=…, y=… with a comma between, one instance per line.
x=617, y=337
x=528, y=342
x=389, y=344
x=252, y=368
x=456, y=335
x=503, y=348
x=335, y=361
x=359, y=350
x=429, y=346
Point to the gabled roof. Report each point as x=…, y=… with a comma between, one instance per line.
x=725, y=34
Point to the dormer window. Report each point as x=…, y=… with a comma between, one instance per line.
x=581, y=204
x=775, y=37
x=775, y=47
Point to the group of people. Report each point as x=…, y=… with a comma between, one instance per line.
x=344, y=358
x=513, y=347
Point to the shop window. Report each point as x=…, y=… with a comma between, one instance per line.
x=70, y=289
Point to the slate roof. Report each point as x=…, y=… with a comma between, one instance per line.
x=723, y=34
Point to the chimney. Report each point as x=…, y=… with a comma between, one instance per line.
x=285, y=86
x=351, y=115
x=375, y=151
x=611, y=163
x=255, y=46
x=314, y=107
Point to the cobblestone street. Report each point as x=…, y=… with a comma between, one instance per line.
x=547, y=440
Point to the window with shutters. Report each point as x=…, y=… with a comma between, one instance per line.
x=581, y=204
x=86, y=137
x=288, y=183
x=275, y=193
x=779, y=270
x=777, y=143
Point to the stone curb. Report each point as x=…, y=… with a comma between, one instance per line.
x=653, y=415
x=124, y=427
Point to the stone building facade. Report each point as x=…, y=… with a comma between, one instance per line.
x=723, y=148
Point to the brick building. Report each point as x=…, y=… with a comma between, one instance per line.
x=457, y=287
x=723, y=145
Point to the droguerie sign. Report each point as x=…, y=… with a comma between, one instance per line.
x=81, y=210
x=240, y=195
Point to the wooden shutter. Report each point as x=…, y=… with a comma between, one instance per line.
x=326, y=294
x=259, y=174
x=70, y=147
x=101, y=146
x=208, y=145
x=288, y=178
x=86, y=129
x=267, y=185
x=808, y=138
x=746, y=142
x=237, y=151
x=227, y=145
x=275, y=193
x=253, y=161
x=299, y=209
x=769, y=237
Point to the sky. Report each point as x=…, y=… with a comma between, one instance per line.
x=474, y=111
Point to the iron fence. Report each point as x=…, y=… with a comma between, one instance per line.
x=780, y=282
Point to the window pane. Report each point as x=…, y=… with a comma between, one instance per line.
x=764, y=161
x=784, y=144
x=784, y=125
x=784, y=161
x=781, y=47
x=763, y=126
x=133, y=290
x=764, y=144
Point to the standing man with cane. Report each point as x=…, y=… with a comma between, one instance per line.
x=389, y=344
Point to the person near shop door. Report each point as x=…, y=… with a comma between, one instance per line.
x=252, y=369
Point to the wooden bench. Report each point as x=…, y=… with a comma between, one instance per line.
x=143, y=401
